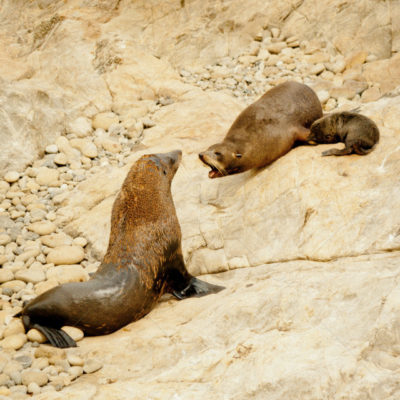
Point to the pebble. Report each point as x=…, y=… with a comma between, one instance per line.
x=40, y=363
x=56, y=240
x=75, y=333
x=53, y=354
x=75, y=360
x=51, y=149
x=80, y=241
x=24, y=360
x=66, y=255
x=42, y=228
x=42, y=287
x=11, y=176
x=4, y=380
x=4, y=239
x=34, y=335
x=14, y=327
x=47, y=177
x=81, y=127
x=14, y=342
x=276, y=48
x=61, y=159
x=33, y=388
x=34, y=376
x=75, y=371
x=6, y=275
x=323, y=96
x=91, y=366
x=14, y=285
x=34, y=274
x=104, y=120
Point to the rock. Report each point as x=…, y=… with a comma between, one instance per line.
x=74, y=332
x=14, y=327
x=13, y=342
x=32, y=376
x=51, y=149
x=33, y=388
x=34, y=274
x=67, y=273
x=85, y=146
x=80, y=241
x=75, y=372
x=61, y=159
x=66, y=255
x=34, y=335
x=104, y=120
x=6, y=275
x=42, y=228
x=371, y=94
x=323, y=96
x=75, y=360
x=47, y=177
x=42, y=287
x=26, y=255
x=14, y=285
x=91, y=366
x=53, y=354
x=81, y=127
x=356, y=59
x=56, y=240
x=317, y=69
x=11, y=176
x=4, y=239
x=276, y=48
x=110, y=145
x=41, y=362
x=24, y=360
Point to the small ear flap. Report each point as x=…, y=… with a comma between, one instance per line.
x=238, y=155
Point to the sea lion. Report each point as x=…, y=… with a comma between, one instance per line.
x=265, y=131
x=358, y=132
x=143, y=261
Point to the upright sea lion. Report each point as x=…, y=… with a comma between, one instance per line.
x=143, y=261
x=265, y=131
x=358, y=132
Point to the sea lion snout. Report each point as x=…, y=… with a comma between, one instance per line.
x=171, y=158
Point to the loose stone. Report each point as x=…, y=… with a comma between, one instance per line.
x=91, y=366
x=6, y=274
x=51, y=149
x=74, y=332
x=32, y=376
x=11, y=176
x=14, y=342
x=33, y=388
x=66, y=255
x=75, y=360
x=34, y=335
x=14, y=327
x=42, y=228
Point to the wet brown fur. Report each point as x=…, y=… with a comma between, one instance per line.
x=265, y=131
x=358, y=132
x=143, y=259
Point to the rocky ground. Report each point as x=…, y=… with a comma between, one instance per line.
x=316, y=315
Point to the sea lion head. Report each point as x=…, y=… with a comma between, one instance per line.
x=323, y=130
x=223, y=159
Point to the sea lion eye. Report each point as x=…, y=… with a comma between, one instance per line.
x=238, y=155
x=217, y=153
x=165, y=172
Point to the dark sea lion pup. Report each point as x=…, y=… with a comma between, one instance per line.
x=265, y=131
x=143, y=261
x=358, y=132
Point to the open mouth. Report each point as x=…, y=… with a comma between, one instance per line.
x=214, y=173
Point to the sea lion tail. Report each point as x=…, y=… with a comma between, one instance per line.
x=56, y=337
x=197, y=288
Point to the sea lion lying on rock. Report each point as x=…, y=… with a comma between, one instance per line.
x=143, y=261
x=358, y=132
x=265, y=131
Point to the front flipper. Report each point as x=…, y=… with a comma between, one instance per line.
x=197, y=288
x=336, y=152
x=56, y=337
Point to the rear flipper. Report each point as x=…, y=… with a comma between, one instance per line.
x=336, y=152
x=197, y=288
x=56, y=337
